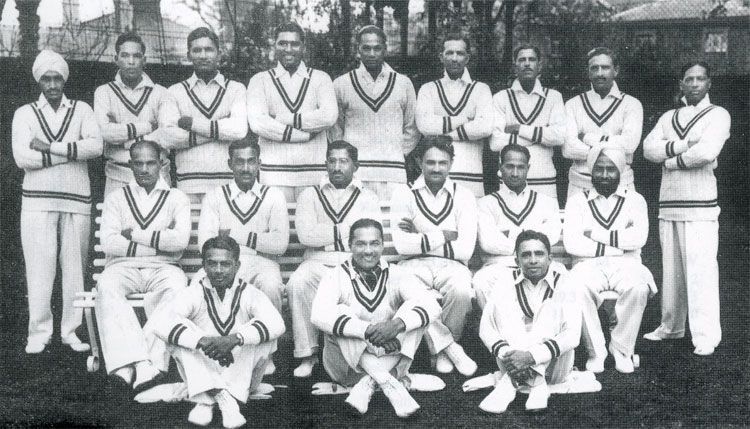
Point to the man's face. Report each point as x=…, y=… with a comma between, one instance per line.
x=340, y=168
x=289, y=49
x=130, y=60
x=145, y=164
x=51, y=84
x=602, y=72
x=527, y=65
x=367, y=247
x=534, y=259
x=371, y=51
x=436, y=165
x=514, y=169
x=204, y=55
x=695, y=84
x=605, y=176
x=221, y=267
x=244, y=164
x=454, y=57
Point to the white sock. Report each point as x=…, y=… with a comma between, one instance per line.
x=379, y=368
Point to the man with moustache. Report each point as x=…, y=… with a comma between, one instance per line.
x=460, y=108
x=290, y=107
x=53, y=137
x=376, y=114
x=602, y=116
x=323, y=217
x=145, y=228
x=687, y=142
x=127, y=110
x=531, y=116
x=205, y=114
x=604, y=230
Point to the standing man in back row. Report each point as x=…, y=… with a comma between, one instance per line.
x=602, y=116
x=687, y=141
x=532, y=116
x=376, y=114
x=209, y=111
x=290, y=107
x=127, y=110
x=461, y=108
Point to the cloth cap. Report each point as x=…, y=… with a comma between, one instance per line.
x=616, y=155
x=49, y=61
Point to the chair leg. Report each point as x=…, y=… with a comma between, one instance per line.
x=92, y=363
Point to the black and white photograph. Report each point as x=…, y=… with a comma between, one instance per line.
x=374, y=213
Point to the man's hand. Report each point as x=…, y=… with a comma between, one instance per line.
x=512, y=128
x=517, y=361
x=185, y=122
x=384, y=332
x=450, y=235
x=693, y=139
x=111, y=117
x=224, y=232
x=587, y=233
x=407, y=225
x=581, y=135
x=392, y=346
x=219, y=348
x=127, y=233
x=506, y=232
x=38, y=145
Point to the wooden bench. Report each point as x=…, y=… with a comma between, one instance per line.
x=191, y=262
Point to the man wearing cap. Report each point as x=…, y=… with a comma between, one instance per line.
x=52, y=139
x=604, y=230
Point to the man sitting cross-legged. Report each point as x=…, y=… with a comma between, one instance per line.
x=531, y=325
x=145, y=228
x=221, y=332
x=324, y=214
x=374, y=315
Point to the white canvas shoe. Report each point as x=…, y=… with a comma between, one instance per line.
x=305, y=369
x=35, y=347
x=399, y=397
x=538, y=397
x=623, y=364
x=230, y=411
x=422, y=383
x=704, y=351
x=464, y=364
x=443, y=364
x=361, y=393
x=76, y=344
x=501, y=396
x=201, y=414
x=270, y=368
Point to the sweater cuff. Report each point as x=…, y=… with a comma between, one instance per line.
x=183, y=336
x=593, y=138
x=414, y=318
x=432, y=240
x=141, y=237
x=499, y=348
x=544, y=352
x=600, y=236
x=676, y=147
x=254, y=333
x=347, y=326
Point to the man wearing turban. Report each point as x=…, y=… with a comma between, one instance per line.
x=52, y=139
x=604, y=230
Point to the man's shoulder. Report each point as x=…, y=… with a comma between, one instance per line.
x=546, y=201
x=235, y=86
x=178, y=196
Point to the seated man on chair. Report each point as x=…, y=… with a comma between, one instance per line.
x=221, y=332
x=604, y=231
x=504, y=214
x=434, y=225
x=531, y=325
x=374, y=315
x=324, y=214
x=145, y=228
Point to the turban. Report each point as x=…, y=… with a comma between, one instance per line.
x=49, y=61
x=616, y=155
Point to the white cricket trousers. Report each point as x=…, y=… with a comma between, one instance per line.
x=120, y=332
x=486, y=279
x=633, y=284
x=40, y=234
x=265, y=275
x=203, y=374
x=452, y=280
x=301, y=289
x=690, y=286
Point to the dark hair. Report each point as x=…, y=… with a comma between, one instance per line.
x=200, y=33
x=530, y=234
x=372, y=29
x=343, y=144
x=129, y=37
x=443, y=143
x=456, y=35
x=290, y=27
x=250, y=141
x=221, y=242
x=147, y=143
x=692, y=64
x=603, y=51
x=514, y=148
x=364, y=223
x=525, y=46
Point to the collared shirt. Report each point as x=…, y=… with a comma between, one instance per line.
x=464, y=80
x=56, y=115
x=292, y=82
x=194, y=80
x=537, y=89
x=504, y=214
x=145, y=82
x=373, y=87
x=535, y=294
x=142, y=194
x=452, y=208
